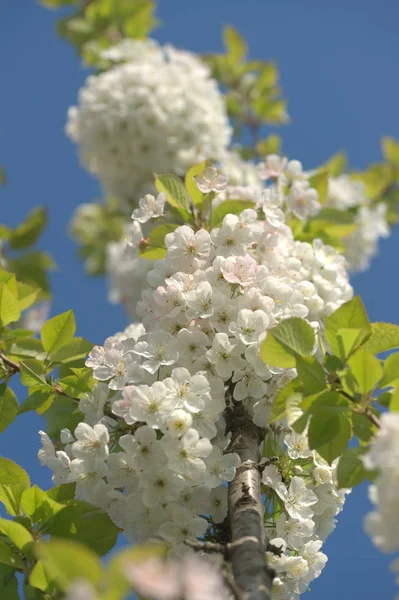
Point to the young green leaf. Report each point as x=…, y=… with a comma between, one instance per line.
x=366, y=368
x=38, y=506
x=279, y=405
x=351, y=315
x=32, y=371
x=82, y=522
x=236, y=47
x=17, y=533
x=9, y=556
x=176, y=194
x=337, y=444
x=57, y=332
x=329, y=404
x=28, y=232
x=283, y=343
x=350, y=470
x=66, y=560
x=319, y=182
x=8, y=407
x=9, y=307
x=13, y=481
x=391, y=370
x=311, y=374
x=195, y=193
x=384, y=336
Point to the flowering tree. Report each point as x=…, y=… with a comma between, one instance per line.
x=237, y=411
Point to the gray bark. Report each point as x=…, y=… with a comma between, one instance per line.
x=247, y=549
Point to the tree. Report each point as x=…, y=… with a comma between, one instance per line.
x=221, y=420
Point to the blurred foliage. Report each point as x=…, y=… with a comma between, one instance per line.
x=95, y=226
x=93, y=25
x=252, y=90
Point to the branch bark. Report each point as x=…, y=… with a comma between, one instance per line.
x=247, y=550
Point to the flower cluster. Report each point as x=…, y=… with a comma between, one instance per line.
x=371, y=223
x=383, y=523
x=158, y=111
x=152, y=449
x=301, y=489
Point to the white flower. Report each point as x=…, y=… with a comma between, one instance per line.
x=220, y=467
x=182, y=527
x=303, y=200
x=159, y=112
x=273, y=166
x=91, y=442
x=149, y=208
x=249, y=325
x=298, y=500
x=295, y=531
x=193, y=249
x=179, y=422
x=218, y=501
x=185, y=454
x=186, y=391
x=211, y=180
x=148, y=404
x=297, y=445
x=225, y=355
x=160, y=487
x=158, y=348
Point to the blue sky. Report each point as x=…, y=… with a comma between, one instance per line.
x=338, y=63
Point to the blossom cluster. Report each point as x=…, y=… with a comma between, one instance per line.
x=382, y=524
x=157, y=109
x=152, y=449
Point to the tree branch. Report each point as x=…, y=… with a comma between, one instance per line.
x=247, y=550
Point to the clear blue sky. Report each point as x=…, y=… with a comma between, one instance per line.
x=339, y=69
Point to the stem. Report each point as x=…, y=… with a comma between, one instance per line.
x=247, y=550
x=7, y=361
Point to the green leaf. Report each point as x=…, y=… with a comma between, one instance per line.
x=9, y=557
x=20, y=537
x=196, y=195
x=330, y=404
x=363, y=428
x=319, y=182
x=38, y=577
x=350, y=340
x=81, y=521
x=294, y=408
x=27, y=347
x=13, y=480
x=351, y=315
x=62, y=493
x=66, y=560
x=27, y=295
x=233, y=207
x=394, y=403
x=155, y=247
x=339, y=442
x=366, y=368
x=31, y=268
x=235, y=45
x=311, y=373
x=57, y=332
x=35, y=400
x=38, y=506
x=176, y=194
x=290, y=338
x=9, y=584
x=384, y=336
x=391, y=369
x=322, y=429
x=274, y=353
x=32, y=372
x=9, y=307
x=279, y=405
x=72, y=351
x=8, y=407
x=390, y=149
x=350, y=470
x=336, y=164
x=28, y=232
x=270, y=145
